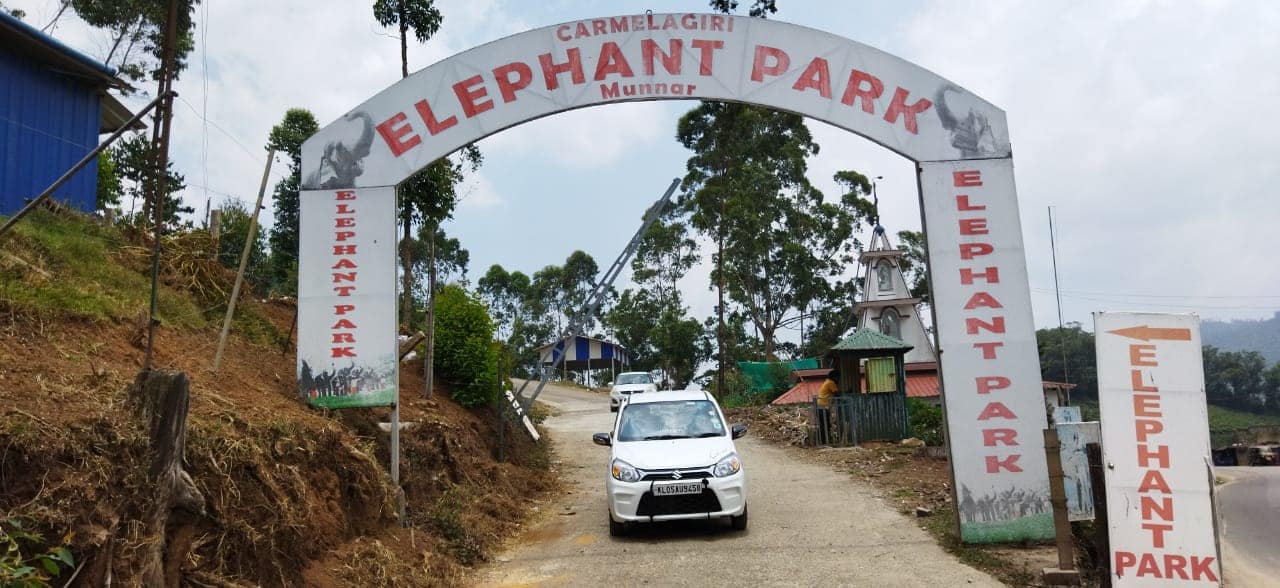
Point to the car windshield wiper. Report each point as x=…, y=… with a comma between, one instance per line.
x=703, y=435
x=665, y=437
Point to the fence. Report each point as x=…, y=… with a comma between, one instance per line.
x=856, y=418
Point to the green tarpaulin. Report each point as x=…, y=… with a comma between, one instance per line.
x=760, y=373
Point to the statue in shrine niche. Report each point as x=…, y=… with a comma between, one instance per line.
x=884, y=279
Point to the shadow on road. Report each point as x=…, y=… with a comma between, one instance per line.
x=676, y=531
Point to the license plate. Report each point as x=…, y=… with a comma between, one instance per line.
x=677, y=488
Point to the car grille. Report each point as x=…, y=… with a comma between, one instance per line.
x=684, y=475
x=651, y=505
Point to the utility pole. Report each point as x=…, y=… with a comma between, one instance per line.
x=160, y=182
x=720, y=304
x=429, y=361
x=244, y=263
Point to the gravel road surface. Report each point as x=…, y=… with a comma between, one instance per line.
x=809, y=526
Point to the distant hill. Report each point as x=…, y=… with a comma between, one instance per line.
x=1262, y=336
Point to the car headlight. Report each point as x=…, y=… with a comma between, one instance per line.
x=623, y=471
x=728, y=466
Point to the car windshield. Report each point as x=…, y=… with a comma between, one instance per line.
x=685, y=419
x=634, y=379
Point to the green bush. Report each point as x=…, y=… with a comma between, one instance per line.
x=737, y=392
x=22, y=563
x=466, y=356
x=925, y=421
x=779, y=380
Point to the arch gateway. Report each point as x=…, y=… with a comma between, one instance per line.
x=347, y=352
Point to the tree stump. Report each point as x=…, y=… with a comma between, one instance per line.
x=162, y=399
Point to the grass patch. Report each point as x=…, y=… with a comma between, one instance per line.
x=86, y=278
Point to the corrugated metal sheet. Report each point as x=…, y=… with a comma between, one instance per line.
x=883, y=375
x=48, y=122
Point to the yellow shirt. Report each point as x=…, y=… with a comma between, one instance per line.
x=828, y=391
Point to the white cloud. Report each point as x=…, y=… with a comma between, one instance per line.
x=1143, y=124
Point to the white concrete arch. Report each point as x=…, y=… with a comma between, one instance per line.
x=960, y=143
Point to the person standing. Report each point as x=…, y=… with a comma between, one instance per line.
x=829, y=390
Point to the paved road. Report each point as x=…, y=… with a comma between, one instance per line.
x=1250, y=516
x=809, y=526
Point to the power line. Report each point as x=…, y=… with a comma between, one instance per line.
x=1161, y=304
x=256, y=157
x=1216, y=297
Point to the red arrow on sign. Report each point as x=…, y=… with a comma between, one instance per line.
x=1146, y=333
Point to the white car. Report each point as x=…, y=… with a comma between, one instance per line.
x=629, y=383
x=673, y=458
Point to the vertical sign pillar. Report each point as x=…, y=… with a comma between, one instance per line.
x=987, y=350
x=347, y=354
x=1155, y=442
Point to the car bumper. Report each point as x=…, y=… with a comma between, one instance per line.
x=635, y=502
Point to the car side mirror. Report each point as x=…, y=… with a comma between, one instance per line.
x=739, y=430
x=603, y=439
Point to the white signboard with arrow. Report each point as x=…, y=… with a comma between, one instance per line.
x=1155, y=439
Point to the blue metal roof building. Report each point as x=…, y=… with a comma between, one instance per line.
x=53, y=105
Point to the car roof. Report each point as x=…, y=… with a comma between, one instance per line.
x=669, y=396
x=635, y=373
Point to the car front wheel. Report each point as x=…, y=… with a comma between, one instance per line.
x=739, y=522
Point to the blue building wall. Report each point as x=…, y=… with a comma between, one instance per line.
x=48, y=122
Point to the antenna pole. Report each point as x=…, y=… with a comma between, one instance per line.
x=1062, y=333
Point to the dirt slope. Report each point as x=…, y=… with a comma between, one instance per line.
x=294, y=495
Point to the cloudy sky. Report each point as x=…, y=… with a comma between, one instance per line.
x=1142, y=123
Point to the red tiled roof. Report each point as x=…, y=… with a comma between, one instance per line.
x=922, y=385
x=801, y=393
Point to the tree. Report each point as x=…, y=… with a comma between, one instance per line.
x=519, y=314
x=1272, y=379
x=109, y=188
x=428, y=198
x=652, y=321
x=665, y=254
x=421, y=17
x=504, y=293
x=1081, y=366
x=468, y=355
x=451, y=261
x=915, y=268
x=134, y=162
x=232, y=230
x=779, y=243
x=578, y=279
x=759, y=8
x=286, y=138
x=631, y=320
x=1237, y=379
x=14, y=12
x=136, y=31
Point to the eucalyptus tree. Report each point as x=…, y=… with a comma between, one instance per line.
x=429, y=196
